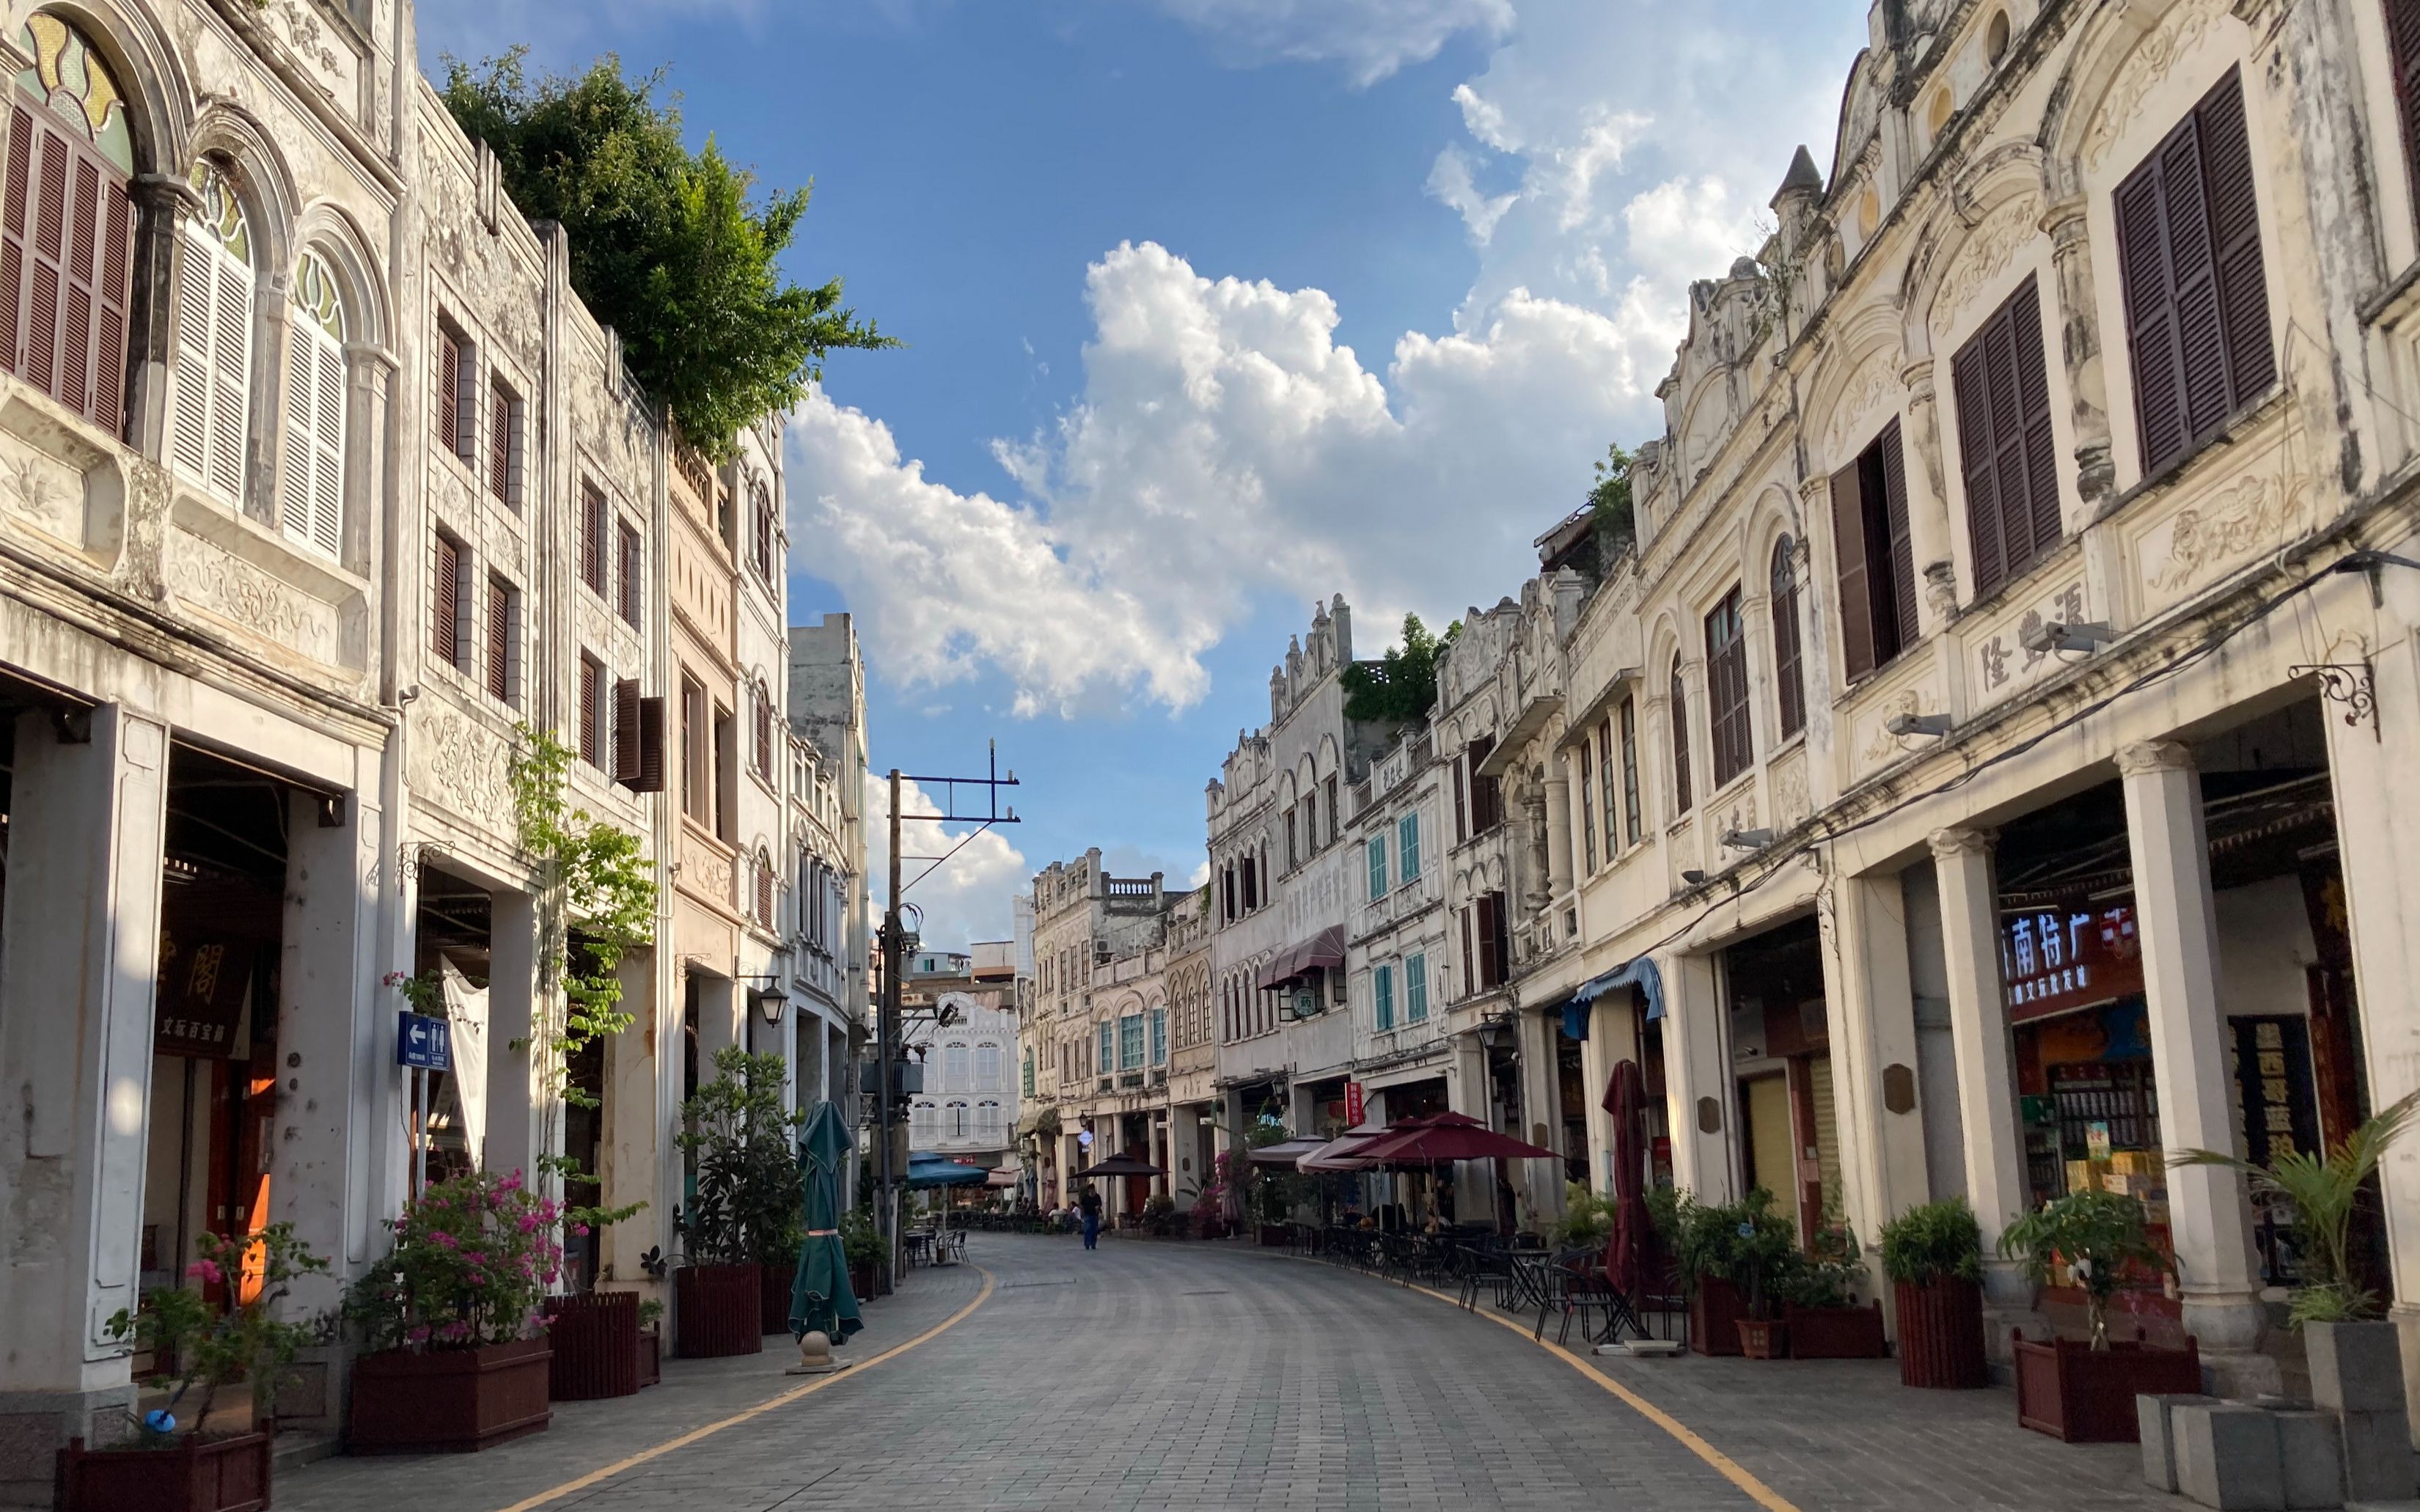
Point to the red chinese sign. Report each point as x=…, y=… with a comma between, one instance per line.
x=1352, y=1104
x=2057, y=959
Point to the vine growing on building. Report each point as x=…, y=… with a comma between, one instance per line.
x=596, y=903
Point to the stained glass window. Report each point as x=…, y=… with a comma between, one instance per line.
x=77, y=86
x=315, y=291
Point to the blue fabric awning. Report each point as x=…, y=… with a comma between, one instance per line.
x=1575, y=1019
x=1640, y=974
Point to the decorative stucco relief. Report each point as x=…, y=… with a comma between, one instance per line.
x=706, y=871
x=235, y=590
x=2003, y=663
x=1881, y=744
x=40, y=489
x=329, y=59
x=1861, y=399
x=1984, y=256
x=459, y=766
x=2248, y=516
x=1790, y=801
x=2177, y=33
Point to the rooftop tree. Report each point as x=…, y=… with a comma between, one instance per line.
x=669, y=247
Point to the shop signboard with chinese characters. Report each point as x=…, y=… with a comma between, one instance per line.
x=1352, y=1104
x=201, y=995
x=2055, y=959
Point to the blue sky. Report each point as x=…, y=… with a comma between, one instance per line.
x=1213, y=307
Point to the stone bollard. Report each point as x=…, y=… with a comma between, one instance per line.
x=2357, y=1374
x=2158, y=1433
x=2227, y=1456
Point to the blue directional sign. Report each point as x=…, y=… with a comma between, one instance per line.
x=423, y=1043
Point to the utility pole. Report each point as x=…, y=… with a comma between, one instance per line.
x=889, y=1051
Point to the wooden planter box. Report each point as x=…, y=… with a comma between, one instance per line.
x=773, y=1297
x=1941, y=1335
x=1273, y=1236
x=1716, y=1308
x=2071, y=1390
x=716, y=1311
x=1836, y=1333
x=861, y=1281
x=1763, y=1338
x=651, y=1356
x=448, y=1400
x=595, y=1336
x=228, y=1474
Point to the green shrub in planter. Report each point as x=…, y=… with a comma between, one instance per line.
x=1934, y=1241
x=2094, y=1235
x=1586, y=1220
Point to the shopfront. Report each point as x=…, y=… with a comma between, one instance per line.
x=1780, y=1052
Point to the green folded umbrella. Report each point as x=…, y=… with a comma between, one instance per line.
x=820, y=1298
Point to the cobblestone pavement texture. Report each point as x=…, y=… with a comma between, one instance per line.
x=1150, y=1375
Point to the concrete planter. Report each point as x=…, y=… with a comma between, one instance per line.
x=448, y=1401
x=2071, y=1391
x=1941, y=1335
x=228, y=1474
x=1836, y=1333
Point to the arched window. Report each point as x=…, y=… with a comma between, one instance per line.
x=987, y=1068
x=1789, y=674
x=313, y=481
x=987, y=1122
x=1679, y=742
x=212, y=379
x=922, y=1121
x=955, y=1125
x=953, y=1066
x=67, y=228
x=763, y=889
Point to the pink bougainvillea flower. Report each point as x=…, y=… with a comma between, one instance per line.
x=206, y=1272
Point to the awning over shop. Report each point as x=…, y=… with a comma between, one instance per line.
x=1285, y=1151
x=1322, y=951
x=1339, y=1154
x=1640, y=974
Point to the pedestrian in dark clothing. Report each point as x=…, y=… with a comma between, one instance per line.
x=1091, y=1203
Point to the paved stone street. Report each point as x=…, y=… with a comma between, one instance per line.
x=1151, y=1375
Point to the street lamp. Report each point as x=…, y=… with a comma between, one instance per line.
x=771, y=1002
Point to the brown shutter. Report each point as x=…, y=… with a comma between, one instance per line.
x=112, y=299
x=1857, y=594
x=764, y=736
x=591, y=677
x=2235, y=245
x=1788, y=675
x=631, y=567
x=1461, y=803
x=2006, y=451
x=500, y=444
x=2403, y=62
x=1902, y=550
x=2150, y=317
x=763, y=895
x=592, y=539
x=12, y=235
x=38, y=358
x=651, y=747
x=1680, y=799
x=449, y=390
x=1469, y=964
x=500, y=629
x=444, y=612
x=1971, y=383
x=625, y=730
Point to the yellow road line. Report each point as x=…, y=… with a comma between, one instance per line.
x=556, y=1494
x=1730, y=1469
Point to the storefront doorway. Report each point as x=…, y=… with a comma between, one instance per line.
x=1780, y=1044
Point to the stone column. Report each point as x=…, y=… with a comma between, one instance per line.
x=1928, y=502
x=79, y=952
x=1559, y=830
x=1540, y=1182
x=634, y=1141
x=511, y=1141
x=2210, y=1218
x=1466, y=1092
x=1698, y=1086
x=2079, y=348
x=327, y=1039
x=1870, y=1004
x=1987, y=1078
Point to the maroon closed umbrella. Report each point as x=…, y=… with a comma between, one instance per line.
x=1625, y=1098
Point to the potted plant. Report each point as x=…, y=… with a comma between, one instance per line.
x=457, y=1360
x=1818, y=1300
x=1759, y=1260
x=1728, y=1253
x=1159, y=1215
x=863, y=1246
x=2084, y=1391
x=192, y=1464
x=1587, y=1219
x=746, y=1211
x=651, y=1341
x=1934, y=1256
x=595, y=1336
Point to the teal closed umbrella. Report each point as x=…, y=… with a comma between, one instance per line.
x=820, y=1298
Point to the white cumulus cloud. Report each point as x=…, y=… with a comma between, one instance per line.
x=1372, y=38
x=964, y=900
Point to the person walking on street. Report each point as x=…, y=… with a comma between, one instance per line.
x=1091, y=1203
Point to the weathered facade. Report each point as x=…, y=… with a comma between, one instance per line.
x=326, y=484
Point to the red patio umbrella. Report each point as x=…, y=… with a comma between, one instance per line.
x=1448, y=1136
x=1625, y=1098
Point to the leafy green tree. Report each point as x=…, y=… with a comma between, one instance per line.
x=667, y=245
x=1400, y=687
x=1609, y=500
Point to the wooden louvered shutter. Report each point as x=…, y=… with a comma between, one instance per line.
x=592, y=693
x=500, y=444
x=592, y=540
x=66, y=260
x=1902, y=549
x=1469, y=963
x=449, y=391
x=2403, y=60
x=500, y=640
x=631, y=567
x=1857, y=595
x=2006, y=453
x=1681, y=795
x=313, y=486
x=14, y=283
x=45, y=248
x=2235, y=247
x=625, y=730
x=446, y=607
x=651, y=747
x=764, y=737
x=1970, y=382
x=230, y=373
